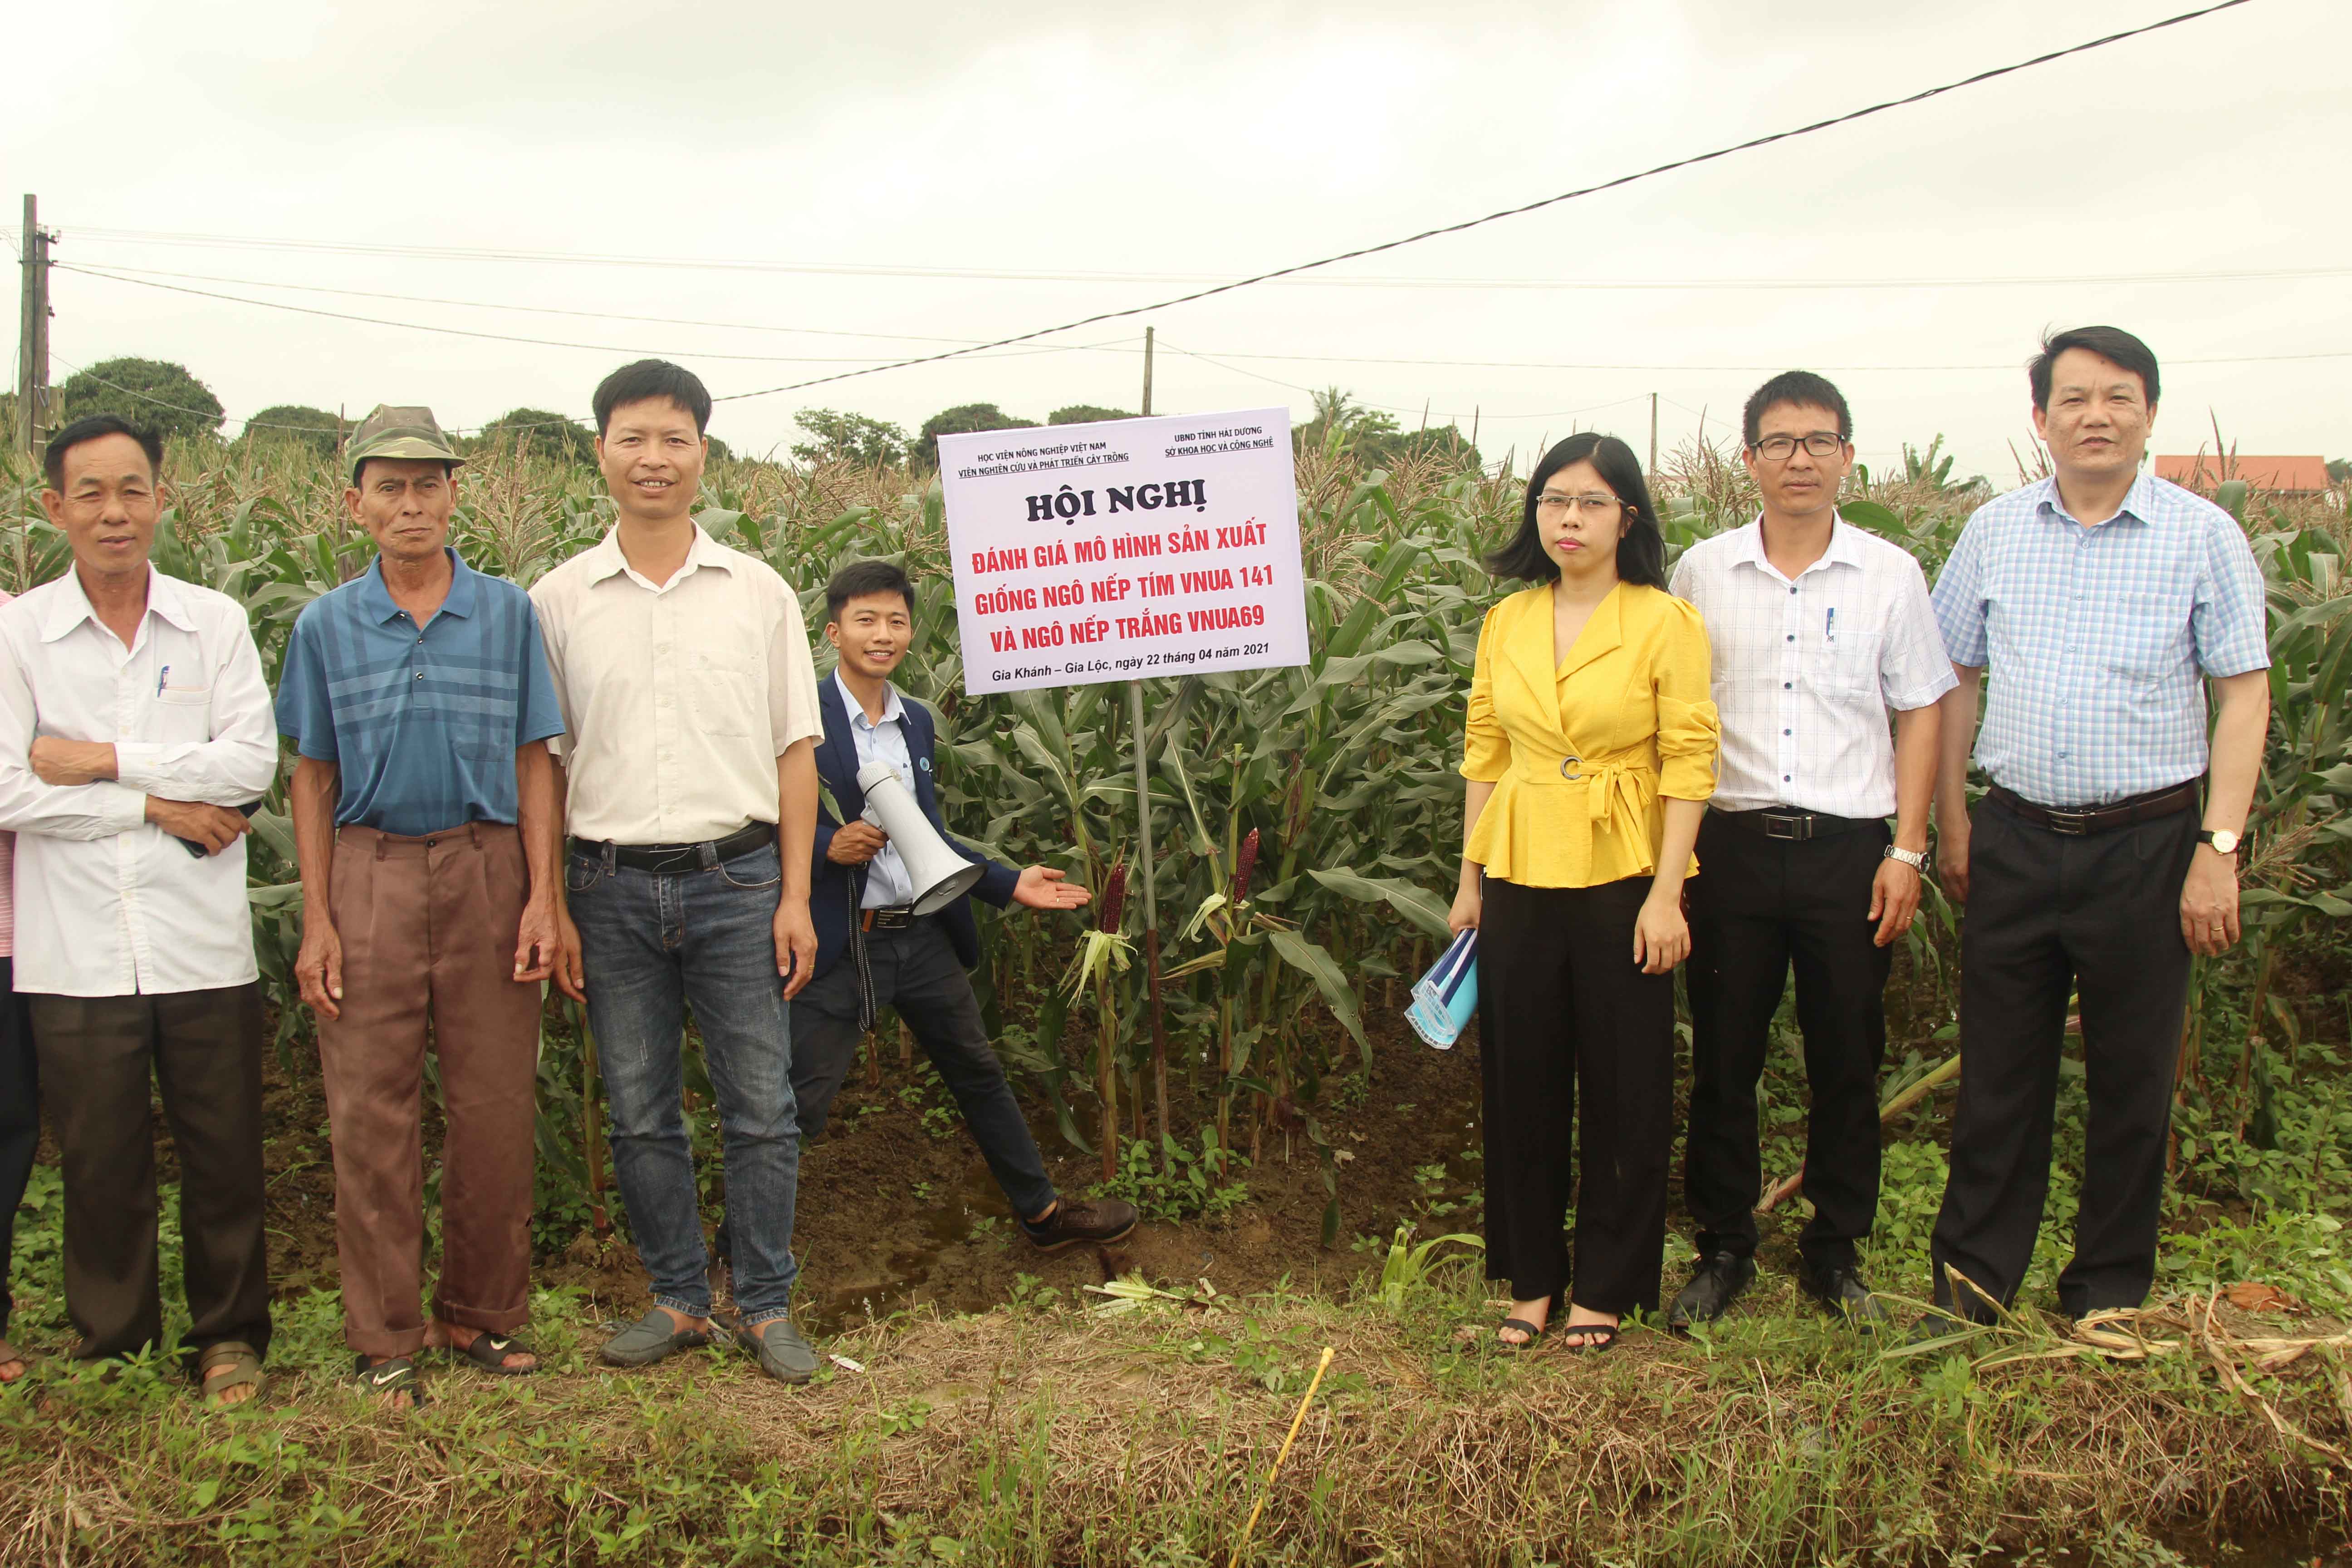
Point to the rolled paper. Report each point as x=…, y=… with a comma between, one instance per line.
x=1444, y=998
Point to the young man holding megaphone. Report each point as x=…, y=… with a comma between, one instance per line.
x=894, y=923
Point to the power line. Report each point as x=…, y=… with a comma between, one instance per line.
x=1399, y=407
x=129, y=273
x=1111, y=347
x=541, y=342
x=1767, y=369
x=1621, y=180
x=1002, y=275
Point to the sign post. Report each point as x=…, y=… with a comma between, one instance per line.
x=1145, y=862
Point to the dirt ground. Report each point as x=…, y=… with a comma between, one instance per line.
x=893, y=1212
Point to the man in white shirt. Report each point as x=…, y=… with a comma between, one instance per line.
x=135, y=733
x=690, y=718
x=1818, y=629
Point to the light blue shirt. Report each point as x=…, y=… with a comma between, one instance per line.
x=421, y=723
x=2095, y=637
x=888, y=883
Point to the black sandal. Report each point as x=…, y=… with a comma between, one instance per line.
x=397, y=1374
x=1602, y=1336
x=489, y=1351
x=1533, y=1331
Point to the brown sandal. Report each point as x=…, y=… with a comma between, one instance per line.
x=245, y=1372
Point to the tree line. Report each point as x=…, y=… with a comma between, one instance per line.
x=172, y=400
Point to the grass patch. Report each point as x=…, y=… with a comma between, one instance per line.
x=1046, y=1433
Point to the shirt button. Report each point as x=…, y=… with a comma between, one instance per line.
x=1788, y=732
x=1792, y=637
x=420, y=675
x=1792, y=590
x=1784, y=778
x=1788, y=685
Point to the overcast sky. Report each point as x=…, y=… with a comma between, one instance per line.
x=868, y=167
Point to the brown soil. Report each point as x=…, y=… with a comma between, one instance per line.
x=890, y=1216
x=892, y=1213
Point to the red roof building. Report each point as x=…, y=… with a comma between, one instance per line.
x=2281, y=476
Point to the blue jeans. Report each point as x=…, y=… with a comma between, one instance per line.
x=653, y=946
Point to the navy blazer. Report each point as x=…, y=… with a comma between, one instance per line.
x=835, y=891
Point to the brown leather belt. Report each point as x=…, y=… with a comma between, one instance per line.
x=2100, y=818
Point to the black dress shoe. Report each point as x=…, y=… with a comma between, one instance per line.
x=1840, y=1292
x=1717, y=1283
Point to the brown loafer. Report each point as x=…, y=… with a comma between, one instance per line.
x=1074, y=1220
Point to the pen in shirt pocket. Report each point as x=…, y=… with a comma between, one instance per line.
x=163, y=677
x=1829, y=631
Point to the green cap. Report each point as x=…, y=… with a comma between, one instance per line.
x=389, y=432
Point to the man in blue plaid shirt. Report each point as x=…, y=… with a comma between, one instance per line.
x=2102, y=599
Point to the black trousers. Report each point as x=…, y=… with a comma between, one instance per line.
x=20, y=1120
x=203, y=1050
x=915, y=970
x=2098, y=915
x=1564, y=1012
x=1764, y=905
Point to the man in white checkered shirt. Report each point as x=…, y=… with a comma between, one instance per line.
x=1818, y=628
x=2102, y=599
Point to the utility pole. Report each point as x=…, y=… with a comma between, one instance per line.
x=33, y=334
x=1144, y=858
x=1653, y=437
x=1146, y=370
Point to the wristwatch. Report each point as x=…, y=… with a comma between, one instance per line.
x=1914, y=859
x=2224, y=841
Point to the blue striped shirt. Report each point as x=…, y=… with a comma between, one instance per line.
x=2095, y=637
x=423, y=723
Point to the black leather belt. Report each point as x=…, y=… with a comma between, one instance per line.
x=677, y=859
x=899, y=916
x=2098, y=818
x=1777, y=822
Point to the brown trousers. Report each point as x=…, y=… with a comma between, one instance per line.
x=201, y=1049
x=428, y=932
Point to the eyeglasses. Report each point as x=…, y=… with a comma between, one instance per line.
x=1780, y=448
x=1554, y=506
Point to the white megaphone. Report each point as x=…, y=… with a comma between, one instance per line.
x=940, y=875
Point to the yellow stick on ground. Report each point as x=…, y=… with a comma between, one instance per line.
x=1296, y=1422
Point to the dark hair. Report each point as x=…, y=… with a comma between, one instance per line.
x=647, y=380
x=1799, y=388
x=1641, y=553
x=90, y=427
x=2113, y=344
x=860, y=578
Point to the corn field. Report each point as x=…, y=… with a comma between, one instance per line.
x=1307, y=820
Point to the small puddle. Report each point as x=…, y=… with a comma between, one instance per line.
x=882, y=1282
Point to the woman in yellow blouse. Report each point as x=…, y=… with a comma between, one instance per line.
x=1589, y=753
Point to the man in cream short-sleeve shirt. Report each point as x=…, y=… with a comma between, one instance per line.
x=690, y=718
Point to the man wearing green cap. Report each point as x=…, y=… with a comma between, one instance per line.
x=424, y=811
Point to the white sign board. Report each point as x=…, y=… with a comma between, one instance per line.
x=1134, y=547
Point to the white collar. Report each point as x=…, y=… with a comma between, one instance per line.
x=605, y=558
x=1844, y=548
x=893, y=709
x=72, y=607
